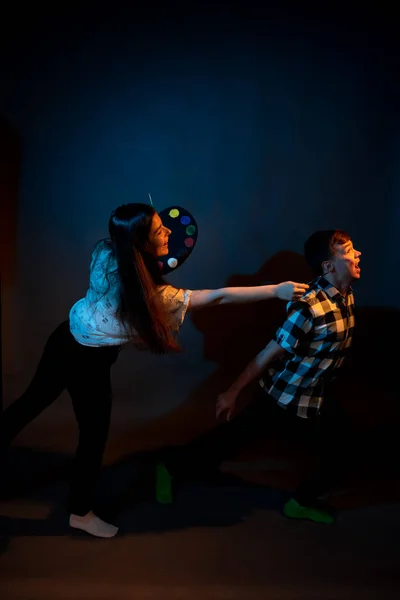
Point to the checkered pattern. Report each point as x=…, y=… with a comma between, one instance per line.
x=316, y=337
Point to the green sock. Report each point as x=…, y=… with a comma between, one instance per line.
x=294, y=510
x=163, y=485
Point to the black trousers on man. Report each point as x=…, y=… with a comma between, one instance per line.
x=330, y=436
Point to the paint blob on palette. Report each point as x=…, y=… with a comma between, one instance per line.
x=182, y=240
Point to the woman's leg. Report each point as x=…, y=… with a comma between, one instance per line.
x=45, y=387
x=90, y=390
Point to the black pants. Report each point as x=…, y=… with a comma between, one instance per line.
x=338, y=445
x=85, y=372
x=329, y=436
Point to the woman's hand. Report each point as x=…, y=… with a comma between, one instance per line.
x=289, y=290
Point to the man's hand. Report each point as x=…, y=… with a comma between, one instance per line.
x=226, y=404
x=289, y=290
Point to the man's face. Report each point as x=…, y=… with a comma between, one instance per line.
x=346, y=261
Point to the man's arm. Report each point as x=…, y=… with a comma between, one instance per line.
x=297, y=325
x=226, y=402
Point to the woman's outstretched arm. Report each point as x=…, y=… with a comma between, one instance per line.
x=288, y=290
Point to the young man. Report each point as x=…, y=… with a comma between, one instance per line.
x=311, y=344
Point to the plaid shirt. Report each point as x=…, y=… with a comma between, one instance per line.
x=316, y=337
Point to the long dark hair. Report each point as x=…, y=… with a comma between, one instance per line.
x=140, y=306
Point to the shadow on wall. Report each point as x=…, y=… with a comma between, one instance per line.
x=233, y=335
x=369, y=382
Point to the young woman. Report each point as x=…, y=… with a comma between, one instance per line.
x=127, y=301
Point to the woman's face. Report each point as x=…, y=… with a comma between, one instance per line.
x=157, y=243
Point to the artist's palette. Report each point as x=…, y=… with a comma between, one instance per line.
x=182, y=239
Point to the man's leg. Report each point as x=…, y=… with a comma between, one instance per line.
x=334, y=435
x=201, y=458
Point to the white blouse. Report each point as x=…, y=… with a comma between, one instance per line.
x=93, y=320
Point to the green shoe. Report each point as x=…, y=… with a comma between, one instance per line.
x=163, y=485
x=294, y=510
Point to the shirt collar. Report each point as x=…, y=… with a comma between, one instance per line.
x=331, y=291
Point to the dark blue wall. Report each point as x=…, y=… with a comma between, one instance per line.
x=265, y=124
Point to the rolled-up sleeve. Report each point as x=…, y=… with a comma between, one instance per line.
x=297, y=326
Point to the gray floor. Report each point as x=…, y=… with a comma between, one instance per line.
x=222, y=542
